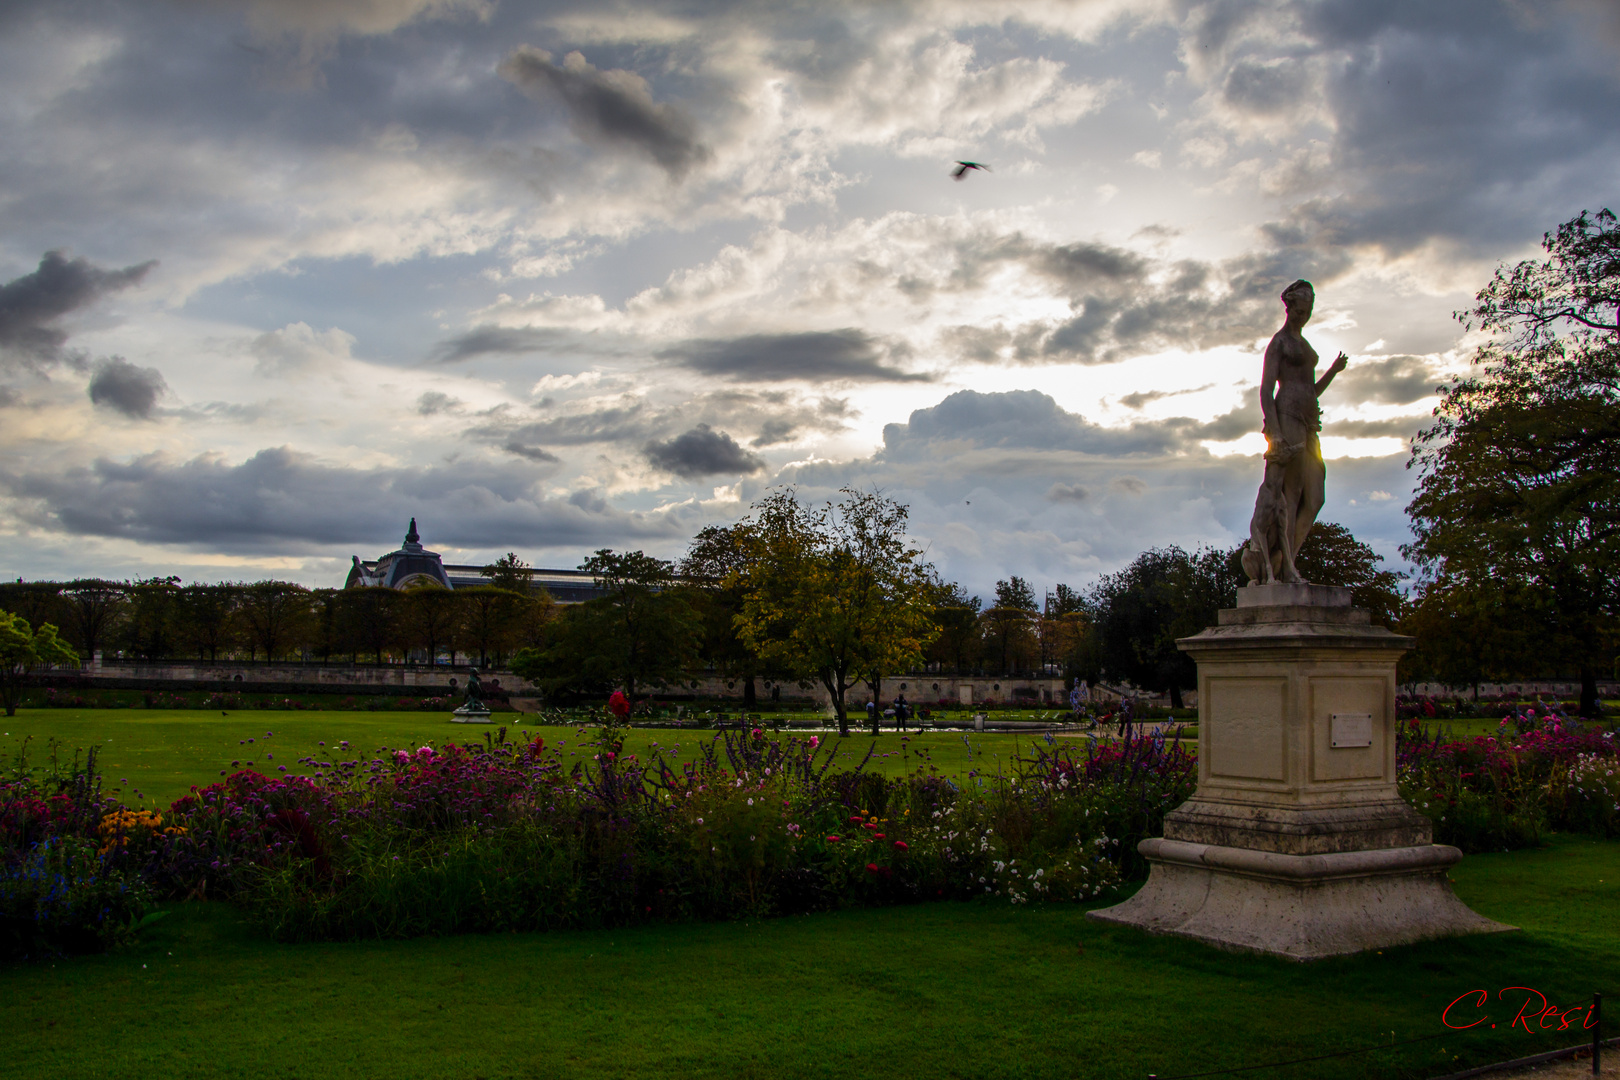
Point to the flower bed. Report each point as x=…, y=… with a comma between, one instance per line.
x=1499, y=792
x=511, y=834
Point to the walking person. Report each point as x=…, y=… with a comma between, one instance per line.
x=1127, y=705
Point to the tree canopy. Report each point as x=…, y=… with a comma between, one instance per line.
x=836, y=593
x=1519, y=499
x=22, y=650
x=640, y=633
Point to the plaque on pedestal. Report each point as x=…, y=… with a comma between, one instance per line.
x=1296, y=842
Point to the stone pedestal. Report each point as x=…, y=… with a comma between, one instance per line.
x=470, y=715
x=1296, y=842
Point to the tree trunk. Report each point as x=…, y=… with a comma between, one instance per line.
x=1175, y=696
x=1589, y=700
x=836, y=693
x=748, y=694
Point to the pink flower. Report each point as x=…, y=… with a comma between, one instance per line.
x=873, y=868
x=757, y=733
x=815, y=741
x=834, y=839
x=619, y=705
x=902, y=845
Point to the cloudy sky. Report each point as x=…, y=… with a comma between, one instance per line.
x=276, y=275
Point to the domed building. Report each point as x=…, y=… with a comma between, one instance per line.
x=413, y=562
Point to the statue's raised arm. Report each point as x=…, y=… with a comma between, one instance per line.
x=1292, y=492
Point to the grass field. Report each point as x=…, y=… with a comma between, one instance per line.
x=941, y=990
x=161, y=753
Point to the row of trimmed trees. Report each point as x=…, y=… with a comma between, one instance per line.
x=161, y=619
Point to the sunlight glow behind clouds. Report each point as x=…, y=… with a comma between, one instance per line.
x=389, y=275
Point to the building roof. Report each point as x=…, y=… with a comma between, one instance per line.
x=412, y=561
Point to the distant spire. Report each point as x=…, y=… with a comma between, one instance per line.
x=412, y=537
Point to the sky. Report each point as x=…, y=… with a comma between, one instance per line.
x=278, y=275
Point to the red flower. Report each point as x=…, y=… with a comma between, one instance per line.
x=834, y=839
x=855, y=820
x=537, y=747
x=877, y=836
x=873, y=868
x=757, y=733
x=902, y=845
x=619, y=705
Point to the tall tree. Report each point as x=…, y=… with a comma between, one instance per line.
x=1520, y=491
x=488, y=619
x=1010, y=625
x=370, y=621
x=957, y=643
x=206, y=618
x=510, y=573
x=432, y=617
x=1331, y=555
x=836, y=593
x=1462, y=638
x=714, y=574
x=278, y=616
x=151, y=627
x=39, y=602
x=639, y=633
x=1066, y=634
x=1165, y=594
x=94, y=608
x=24, y=649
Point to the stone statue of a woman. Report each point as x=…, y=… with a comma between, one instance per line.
x=1293, y=490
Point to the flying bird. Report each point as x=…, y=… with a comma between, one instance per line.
x=962, y=168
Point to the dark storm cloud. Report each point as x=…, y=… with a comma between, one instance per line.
x=1265, y=88
x=1400, y=426
x=1140, y=398
x=31, y=304
x=775, y=430
x=1228, y=426
x=134, y=391
x=499, y=340
x=618, y=423
x=702, y=452
x=1126, y=303
x=838, y=355
x=1070, y=493
x=531, y=453
x=1021, y=420
x=280, y=497
x=610, y=108
x=432, y=402
x=1128, y=485
x=1398, y=380
x=1482, y=124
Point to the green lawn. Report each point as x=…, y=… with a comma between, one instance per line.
x=941, y=990
x=161, y=753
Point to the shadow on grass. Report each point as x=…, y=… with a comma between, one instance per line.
x=939, y=990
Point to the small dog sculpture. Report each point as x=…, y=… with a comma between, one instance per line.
x=1268, y=557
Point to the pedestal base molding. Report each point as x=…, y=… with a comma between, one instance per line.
x=1304, y=907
